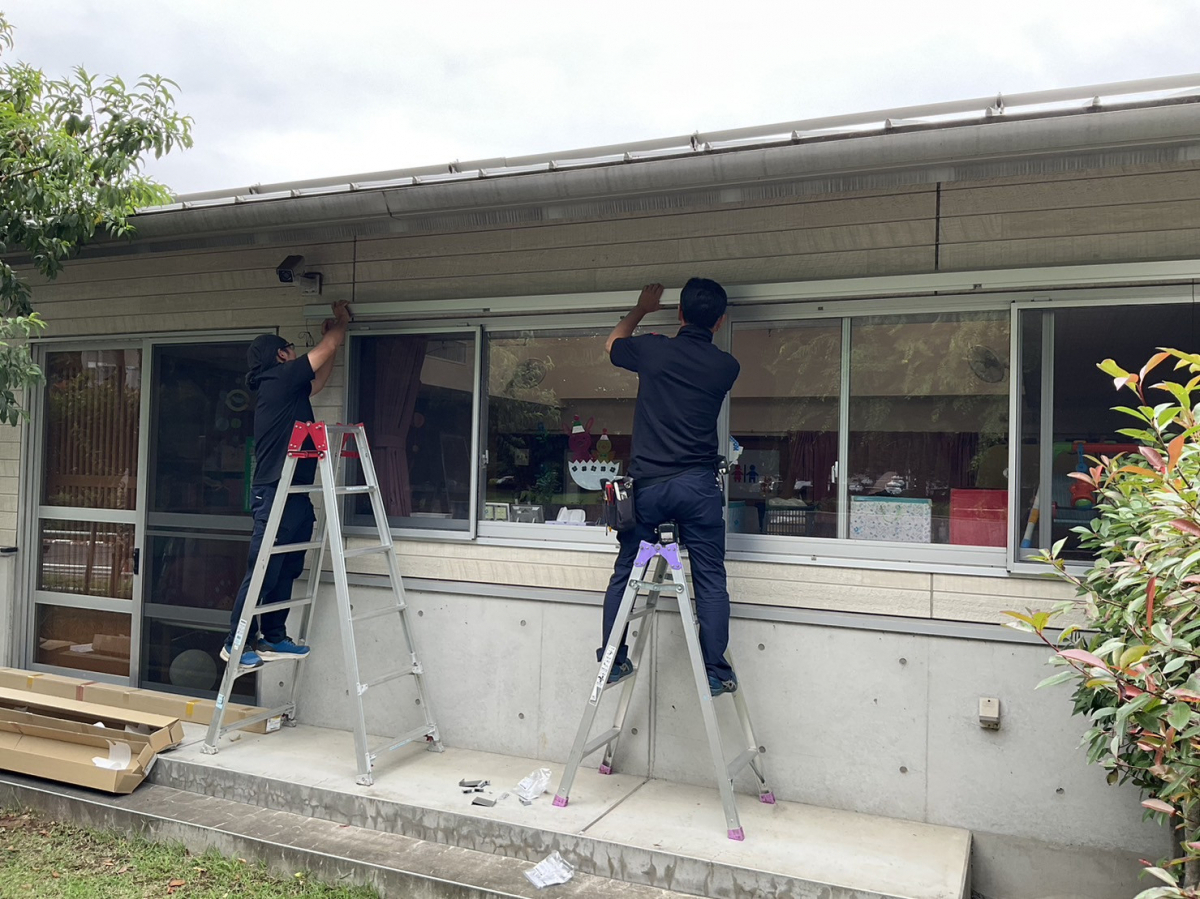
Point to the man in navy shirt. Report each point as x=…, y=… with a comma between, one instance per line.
x=682, y=382
x=284, y=385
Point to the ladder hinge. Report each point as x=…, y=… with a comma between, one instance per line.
x=362, y=688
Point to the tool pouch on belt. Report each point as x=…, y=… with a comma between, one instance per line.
x=618, y=504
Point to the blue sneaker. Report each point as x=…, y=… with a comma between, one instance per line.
x=620, y=671
x=250, y=659
x=284, y=649
x=718, y=687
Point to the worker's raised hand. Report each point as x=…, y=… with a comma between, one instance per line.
x=649, y=300
x=341, y=310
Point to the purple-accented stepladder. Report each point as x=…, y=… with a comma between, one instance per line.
x=655, y=560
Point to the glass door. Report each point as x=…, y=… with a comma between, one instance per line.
x=201, y=427
x=87, y=570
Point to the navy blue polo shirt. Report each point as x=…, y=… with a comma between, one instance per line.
x=282, y=400
x=682, y=381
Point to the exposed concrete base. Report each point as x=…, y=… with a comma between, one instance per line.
x=653, y=833
x=1002, y=867
x=397, y=867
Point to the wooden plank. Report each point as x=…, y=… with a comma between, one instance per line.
x=1070, y=250
x=965, y=198
x=700, y=251
x=1073, y=222
x=822, y=213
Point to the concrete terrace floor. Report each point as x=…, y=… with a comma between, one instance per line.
x=621, y=826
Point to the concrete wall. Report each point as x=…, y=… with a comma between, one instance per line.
x=876, y=722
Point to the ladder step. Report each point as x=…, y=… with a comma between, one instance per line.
x=278, y=606
x=378, y=613
x=640, y=613
x=366, y=550
x=419, y=733
x=340, y=491
x=390, y=676
x=341, y=429
x=295, y=547
x=603, y=740
x=741, y=762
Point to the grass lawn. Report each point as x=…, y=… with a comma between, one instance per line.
x=42, y=859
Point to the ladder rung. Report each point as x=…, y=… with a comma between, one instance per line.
x=603, y=740
x=340, y=491
x=295, y=547
x=341, y=429
x=740, y=762
x=378, y=613
x=366, y=550
x=288, y=604
x=391, y=675
x=640, y=613
x=419, y=733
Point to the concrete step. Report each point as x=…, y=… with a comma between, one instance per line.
x=625, y=827
x=398, y=867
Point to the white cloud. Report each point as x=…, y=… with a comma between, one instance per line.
x=284, y=91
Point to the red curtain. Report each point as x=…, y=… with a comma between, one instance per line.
x=398, y=363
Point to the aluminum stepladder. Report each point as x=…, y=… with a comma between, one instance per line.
x=664, y=556
x=329, y=525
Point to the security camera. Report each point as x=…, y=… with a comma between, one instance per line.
x=290, y=270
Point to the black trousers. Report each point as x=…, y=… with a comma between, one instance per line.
x=693, y=500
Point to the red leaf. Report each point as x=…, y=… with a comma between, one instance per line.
x=1151, y=592
x=1174, y=450
x=1082, y=655
x=1184, y=695
x=1157, y=805
x=1152, y=457
x=1187, y=526
x=1154, y=361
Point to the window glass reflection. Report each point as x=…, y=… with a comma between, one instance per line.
x=87, y=558
x=415, y=394
x=783, y=410
x=86, y=639
x=559, y=418
x=929, y=428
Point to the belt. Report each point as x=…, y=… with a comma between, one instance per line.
x=663, y=478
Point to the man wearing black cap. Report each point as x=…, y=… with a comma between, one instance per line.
x=284, y=385
x=682, y=382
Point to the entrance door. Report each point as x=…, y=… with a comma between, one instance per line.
x=201, y=427
x=86, y=573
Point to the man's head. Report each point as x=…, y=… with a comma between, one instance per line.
x=702, y=302
x=266, y=351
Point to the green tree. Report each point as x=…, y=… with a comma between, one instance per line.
x=71, y=167
x=1136, y=665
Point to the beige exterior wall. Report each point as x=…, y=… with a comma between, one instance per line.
x=1117, y=215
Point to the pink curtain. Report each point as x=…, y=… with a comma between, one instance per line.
x=398, y=363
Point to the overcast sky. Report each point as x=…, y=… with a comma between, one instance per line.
x=287, y=91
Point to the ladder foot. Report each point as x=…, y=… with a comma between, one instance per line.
x=767, y=798
x=208, y=750
x=365, y=780
x=604, y=769
x=560, y=801
x=289, y=721
x=738, y=834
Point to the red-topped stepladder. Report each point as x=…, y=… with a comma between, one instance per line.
x=329, y=474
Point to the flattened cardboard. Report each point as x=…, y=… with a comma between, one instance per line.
x=164, y=732
x=66, y=754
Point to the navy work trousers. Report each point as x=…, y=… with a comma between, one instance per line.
x=693, y=500
x=296, y=526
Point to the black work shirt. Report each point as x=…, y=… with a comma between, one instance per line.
x=682, y=381
x=283, y=400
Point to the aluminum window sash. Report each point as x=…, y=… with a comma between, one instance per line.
x=77, y=341
x=224, y=527
x=474, y=503
x=84, y=601
x=97, y=676
x=867, y=551
x=77, y=513
x=188, y=616
x=843, y=453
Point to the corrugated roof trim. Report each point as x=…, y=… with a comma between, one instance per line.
x=1068, y=101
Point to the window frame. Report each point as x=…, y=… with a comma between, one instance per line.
x=350, y=410
x=1171, y=294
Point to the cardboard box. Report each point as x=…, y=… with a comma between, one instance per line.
x=74, y=752
x=185, y=708
x=163, y=732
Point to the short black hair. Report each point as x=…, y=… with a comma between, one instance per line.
x=703, y=302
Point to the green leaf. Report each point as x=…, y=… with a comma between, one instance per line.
x=1059, y=678
x=1179, y=715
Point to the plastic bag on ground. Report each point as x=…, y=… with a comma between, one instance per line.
x=534, y=785
x=550, y=870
